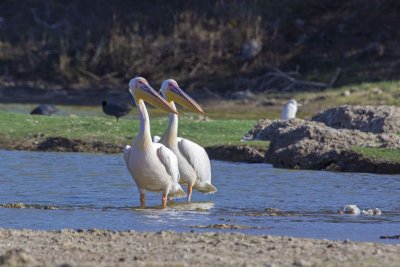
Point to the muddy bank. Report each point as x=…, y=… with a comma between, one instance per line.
x=129, y=248
x=237, y=153
x=60, y=144
x=240, y=153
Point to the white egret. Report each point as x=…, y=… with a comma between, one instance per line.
x=289, y=110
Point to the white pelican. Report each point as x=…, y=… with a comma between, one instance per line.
x=153, y=166
x=193, y=161
x=289, y=110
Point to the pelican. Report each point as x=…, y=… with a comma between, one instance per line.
x=289, y=110
x=194, y=164
x=153, y=166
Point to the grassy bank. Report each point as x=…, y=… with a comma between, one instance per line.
x=19, y=127
x=380, y=154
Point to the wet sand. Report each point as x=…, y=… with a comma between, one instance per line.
x=129, y=248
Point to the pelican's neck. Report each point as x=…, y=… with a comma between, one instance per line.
x=143, y=137
x=171, y=135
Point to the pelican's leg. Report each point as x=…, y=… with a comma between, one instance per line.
x=190, y=189
x=142, y=197
x=164, y=201
x=142, y=200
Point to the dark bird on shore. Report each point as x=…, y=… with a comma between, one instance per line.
x=44, y=109
x=116, y=110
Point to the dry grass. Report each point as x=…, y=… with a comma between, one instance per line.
x=198, y=42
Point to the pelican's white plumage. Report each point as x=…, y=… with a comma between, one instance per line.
x=198, y=159
x=194, y=164
x=153, y=166
x=164, y=174
x=289, y=110
x=156, y=138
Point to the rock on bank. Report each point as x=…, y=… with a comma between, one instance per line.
x=326, y=144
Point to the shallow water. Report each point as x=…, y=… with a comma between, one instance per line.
x=96, y=191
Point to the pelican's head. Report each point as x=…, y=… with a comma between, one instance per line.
x=141, y=90
x=172, y=92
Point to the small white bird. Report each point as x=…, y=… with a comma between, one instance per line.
x=193, y=161
x=153, y=166
x=289, y=110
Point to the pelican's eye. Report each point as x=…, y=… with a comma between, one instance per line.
x=173, y=87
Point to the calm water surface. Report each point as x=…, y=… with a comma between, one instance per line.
x=96, y=191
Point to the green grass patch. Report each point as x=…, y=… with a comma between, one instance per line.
x=19, y=127
x=381, y=154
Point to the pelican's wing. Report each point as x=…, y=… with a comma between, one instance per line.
x=126, y=153
x=197, y=157
x=169, y=160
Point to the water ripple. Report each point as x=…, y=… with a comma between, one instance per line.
x=79, y=190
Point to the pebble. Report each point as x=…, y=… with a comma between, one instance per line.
x=376, y=90
x=162, y=233
x=346, y=93
x=377, y=252
x=301, y=262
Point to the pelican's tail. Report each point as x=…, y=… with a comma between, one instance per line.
x=205, y=188
x=177, y=191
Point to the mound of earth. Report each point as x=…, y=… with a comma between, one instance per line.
x=257, y=133
x=375, y=119
x=307, y=144
x=313, y=145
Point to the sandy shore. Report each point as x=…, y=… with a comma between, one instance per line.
x=128, y=248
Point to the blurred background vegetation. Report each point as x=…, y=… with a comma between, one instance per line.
x=212, y=47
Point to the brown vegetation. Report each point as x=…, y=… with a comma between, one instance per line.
x=205, y=44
